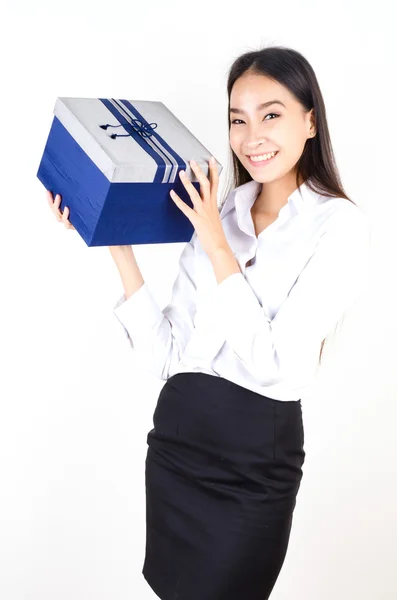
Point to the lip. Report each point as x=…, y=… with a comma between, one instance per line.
x=261, y=163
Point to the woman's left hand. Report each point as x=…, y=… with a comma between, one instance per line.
x=205, y=216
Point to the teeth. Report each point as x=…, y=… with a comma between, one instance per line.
x=263, y=157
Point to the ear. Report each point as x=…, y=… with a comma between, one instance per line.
x=312, y=120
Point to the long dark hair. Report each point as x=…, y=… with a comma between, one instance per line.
x=317, y=165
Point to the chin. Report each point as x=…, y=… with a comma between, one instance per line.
x=263, y=178
x=262, y=175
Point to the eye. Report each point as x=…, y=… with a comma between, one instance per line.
x=268, y=115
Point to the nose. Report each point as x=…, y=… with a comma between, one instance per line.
x=253, y=146
x=253, y=140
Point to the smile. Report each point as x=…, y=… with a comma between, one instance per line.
x=264, y=159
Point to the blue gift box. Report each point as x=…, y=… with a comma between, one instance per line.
x=114, y=163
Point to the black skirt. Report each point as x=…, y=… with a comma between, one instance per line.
x=223, y=468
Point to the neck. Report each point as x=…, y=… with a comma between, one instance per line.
x=274, y=195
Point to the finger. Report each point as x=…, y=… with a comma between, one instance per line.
x=214, y=176
x=51, y=200
x=205, y=185
x=70, y=226
x=65, y=218
x=203, y=180
x=213, y=168
x=195, y=197
x=55, y=207
x=182, y=205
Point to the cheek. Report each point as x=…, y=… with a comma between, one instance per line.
x=232, y=140
x=235, y=141
x=295, y=149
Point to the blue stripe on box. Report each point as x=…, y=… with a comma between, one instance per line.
x=146, y=143
x=106, y=213
x=178, y=159
x=125, y=108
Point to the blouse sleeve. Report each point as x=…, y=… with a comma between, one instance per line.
x=331, y=281
x=160, y=336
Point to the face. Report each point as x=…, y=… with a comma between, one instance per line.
x=284, y=129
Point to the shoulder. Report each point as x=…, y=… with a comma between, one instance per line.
x=341, y=216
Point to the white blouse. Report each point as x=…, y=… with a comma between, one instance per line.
x=261, y=328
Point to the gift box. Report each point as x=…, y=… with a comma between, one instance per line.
x=114, y=163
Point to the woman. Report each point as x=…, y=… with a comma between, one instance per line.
x=261, y=284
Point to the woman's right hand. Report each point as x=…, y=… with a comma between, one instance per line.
x=117, y=252
x=54, y=205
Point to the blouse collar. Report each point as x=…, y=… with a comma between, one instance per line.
x=244, y=196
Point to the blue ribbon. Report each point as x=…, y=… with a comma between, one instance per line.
x=140, y=130
x=144, y=130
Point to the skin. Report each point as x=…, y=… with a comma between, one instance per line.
x=54, y=205
x=254, y=132
x=260, y=131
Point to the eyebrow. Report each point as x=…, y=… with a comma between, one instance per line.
x=239, y=111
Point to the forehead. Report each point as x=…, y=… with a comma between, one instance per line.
x=249, y=90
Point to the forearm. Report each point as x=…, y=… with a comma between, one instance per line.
x=224, y=263
x=127, y=266
x=160, y=336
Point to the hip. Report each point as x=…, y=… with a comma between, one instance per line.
x=203, y=422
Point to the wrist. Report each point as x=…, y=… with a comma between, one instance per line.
x=221, y=251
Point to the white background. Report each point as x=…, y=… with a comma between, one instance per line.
x=75, y=405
